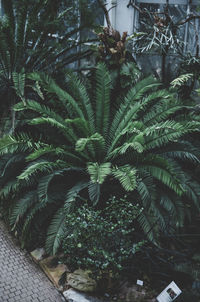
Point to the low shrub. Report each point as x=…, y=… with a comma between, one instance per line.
x=101, y=239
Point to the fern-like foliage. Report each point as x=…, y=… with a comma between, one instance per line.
x=37, y=35
x=181, y=79
x=84, y=148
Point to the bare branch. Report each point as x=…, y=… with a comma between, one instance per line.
x=144, y=12
x=136, y=7
x=112, y=7
x=103, y=6
x=187, y=20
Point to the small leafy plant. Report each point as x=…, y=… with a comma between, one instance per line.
x=101, y=239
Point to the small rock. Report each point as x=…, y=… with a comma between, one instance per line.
x=54, y=273
x=38, y=254
x=72, y=295
x=82, y=281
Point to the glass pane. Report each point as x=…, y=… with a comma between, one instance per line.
x=164, y=41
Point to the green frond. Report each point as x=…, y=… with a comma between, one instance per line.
x=60, y=152
x=48, y=149
x=10, y=187
x=162, y=133
x=48, y=120
x=44, y=183
x=162, y=216
x=146, y=189
x=162, y=110
x=65, y=99
x=103, y=85
x=181, y=80
x=98, y=172
x=126, y=113
x=73, y=193
x=30, y=215
x=132, y=132
x=148, y=225
x=81, y=126
x=163, y=170
x=16, y=158
x=55, y=232
x=94, y=192
x=47, y=115
x=16, y=144
x=37, y=88
x=136, y=146
x=19, y=84
x=126, y=176
x=130, y=70
x=147, y=84
x=41, y=77
x=43, y=166
x=182, y=155
x=41, y=109
x=22, y=206
x=132, y=104
x=81, y=95
x=64, y=129
x=82, y=143
x=175, y=208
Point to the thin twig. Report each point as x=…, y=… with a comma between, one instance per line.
x=112, y=7
x=103, y=6
x=187, y=20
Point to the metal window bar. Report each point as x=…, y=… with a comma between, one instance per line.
x=189, y=32
x=174, y=2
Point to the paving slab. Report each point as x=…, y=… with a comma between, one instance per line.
x=21, y=280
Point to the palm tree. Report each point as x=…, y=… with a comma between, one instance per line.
x=79, y=147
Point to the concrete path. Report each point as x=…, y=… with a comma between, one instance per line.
x=21, y=280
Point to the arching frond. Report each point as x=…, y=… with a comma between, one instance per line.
x=96, y=139
x=80, y=93
x=94, y=190
x=19, y=85
x=16, y=158
x=22, y=206
x=162, y=110
x=126, y=176
x=162, y=170
x=55, y=232
x=148, y=225
x=102, y=99
x=131, y=105
x=18, y=143
x=181, y=79
x=73, y=193
x=99, y=172
x=10, y=187
x=164, y=132
x=44, y=183
x=43, y=166
x=146, y=189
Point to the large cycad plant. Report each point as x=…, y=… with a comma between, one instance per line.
x=80, y=147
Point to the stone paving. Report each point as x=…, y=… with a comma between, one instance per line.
x=21, y=280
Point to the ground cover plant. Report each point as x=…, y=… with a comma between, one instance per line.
x=101, y=240
x=79, y=147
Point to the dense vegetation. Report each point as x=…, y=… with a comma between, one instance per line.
x=104, y=165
